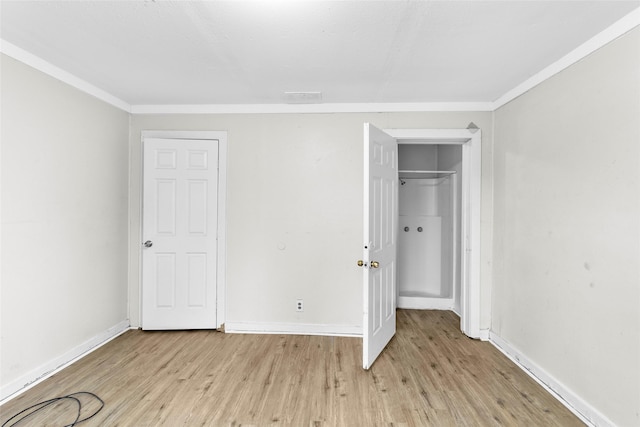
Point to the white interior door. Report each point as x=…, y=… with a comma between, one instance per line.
x=179, y=224
x=380, y=236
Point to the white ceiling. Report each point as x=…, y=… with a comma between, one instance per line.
x=251, y=52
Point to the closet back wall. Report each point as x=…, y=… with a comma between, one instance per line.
x=296, y=179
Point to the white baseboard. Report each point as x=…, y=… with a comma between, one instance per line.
x=425, y=303
x=292, y=329
x=583, y=410
x=41, y=373
x=485, y=335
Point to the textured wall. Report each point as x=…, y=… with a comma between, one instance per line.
x=294, y=179
x=64, y=219
x=567, y=228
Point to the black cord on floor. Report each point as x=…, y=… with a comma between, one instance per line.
x=24, y=414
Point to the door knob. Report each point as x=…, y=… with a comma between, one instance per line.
x=360, y=263
x=375, y=264
x=148, y=244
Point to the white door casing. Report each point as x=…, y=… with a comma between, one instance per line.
x=380, y=236
x=179, y=225
x=471, y=142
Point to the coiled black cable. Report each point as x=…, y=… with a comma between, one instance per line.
x=24, y=414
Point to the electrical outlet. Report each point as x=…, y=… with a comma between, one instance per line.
x=299, y=305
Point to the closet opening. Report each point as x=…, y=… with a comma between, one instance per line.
x=429, y=199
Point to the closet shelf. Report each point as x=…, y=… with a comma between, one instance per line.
x=422, y=174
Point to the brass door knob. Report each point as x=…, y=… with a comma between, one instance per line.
x=375, y=264
x=360, y=263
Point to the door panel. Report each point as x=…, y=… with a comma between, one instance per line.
x=165, y=283
x=179, y=222
x=198, y=193
x=165, y=207
x=380, y=235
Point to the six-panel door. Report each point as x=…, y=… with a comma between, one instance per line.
x=180, y=184
x=380, y=235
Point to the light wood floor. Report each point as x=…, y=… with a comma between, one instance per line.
x=429, y=375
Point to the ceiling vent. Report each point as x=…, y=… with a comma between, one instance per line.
x=303, y=97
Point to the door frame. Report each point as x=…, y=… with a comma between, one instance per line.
x=221, y=229
x=470, y=209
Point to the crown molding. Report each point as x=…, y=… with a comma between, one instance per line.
x=616, y=30
x=40, y=64
x=311, y=108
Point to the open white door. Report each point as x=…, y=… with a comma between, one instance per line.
x=380, y=235
x=179, y=220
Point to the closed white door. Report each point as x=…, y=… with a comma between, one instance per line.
x=380, y=236
x=179, y=224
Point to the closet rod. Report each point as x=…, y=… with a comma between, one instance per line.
x=421, y=171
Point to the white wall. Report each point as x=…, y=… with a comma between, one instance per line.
x=294, y=179
x=64, y=222
x=567, y=228
x=417, y=157
x=450, y=159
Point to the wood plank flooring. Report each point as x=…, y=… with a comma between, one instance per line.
x=429, y=375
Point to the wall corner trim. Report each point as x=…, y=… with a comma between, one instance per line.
x=41, y=373
x=51, y=70
x=583, y=410
x=619, y=28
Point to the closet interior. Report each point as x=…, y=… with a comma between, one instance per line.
x=429, y=199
